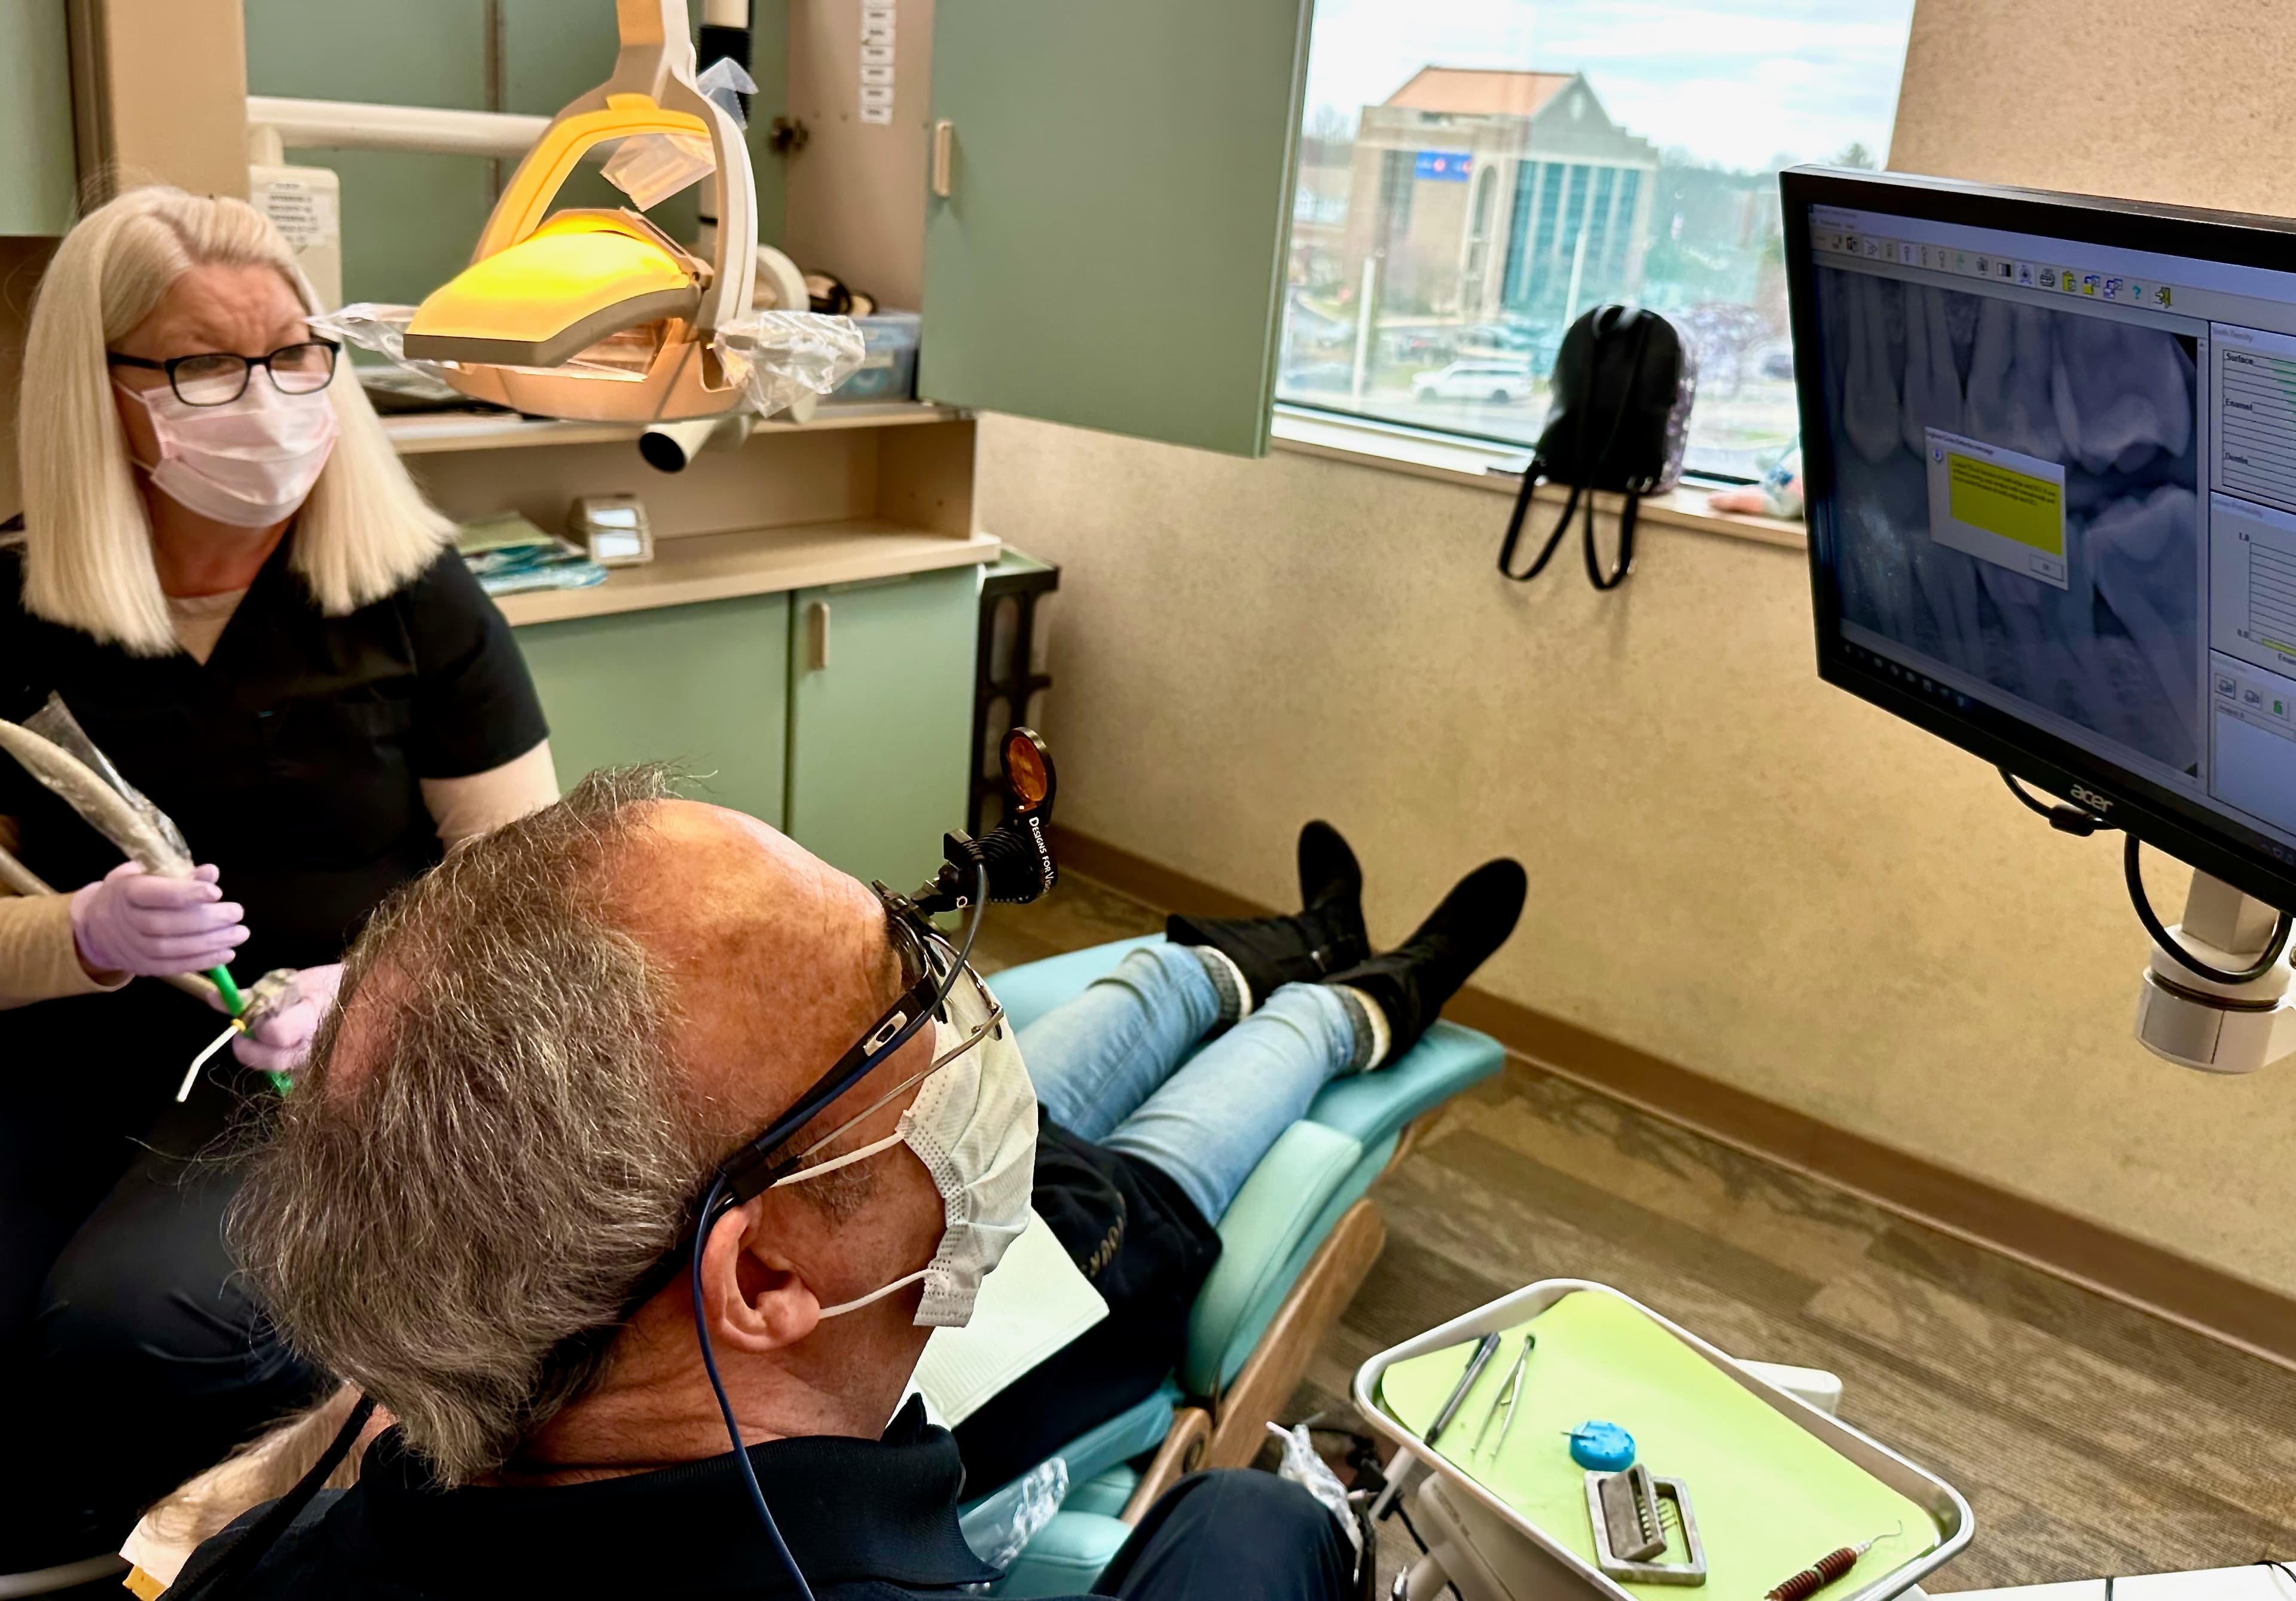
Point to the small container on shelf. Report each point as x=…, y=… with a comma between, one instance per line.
x=888, y=372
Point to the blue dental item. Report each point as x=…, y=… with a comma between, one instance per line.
x=1603, y=1447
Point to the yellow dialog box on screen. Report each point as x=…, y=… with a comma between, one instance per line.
x=1998, y=504
x=2002, y=500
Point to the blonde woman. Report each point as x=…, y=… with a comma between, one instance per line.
x=232, y=582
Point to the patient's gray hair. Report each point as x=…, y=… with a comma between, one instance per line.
x=464, y=1195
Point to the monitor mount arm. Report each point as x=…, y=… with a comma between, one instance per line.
x=2215, y=1027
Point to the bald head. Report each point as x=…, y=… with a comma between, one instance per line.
x=543, y=1048
x=777, y=960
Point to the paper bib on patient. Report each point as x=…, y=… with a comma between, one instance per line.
x=974, y=1125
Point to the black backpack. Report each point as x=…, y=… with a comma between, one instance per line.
x=1622, y=387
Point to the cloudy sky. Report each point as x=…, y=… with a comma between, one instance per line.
x=1734, y=81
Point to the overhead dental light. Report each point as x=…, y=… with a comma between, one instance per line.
x=596, y=314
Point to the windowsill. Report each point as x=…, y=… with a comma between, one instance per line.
x=1480, y=464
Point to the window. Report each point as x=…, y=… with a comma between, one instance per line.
x=1475, y=174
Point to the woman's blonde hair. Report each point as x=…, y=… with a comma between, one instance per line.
x=364, y=530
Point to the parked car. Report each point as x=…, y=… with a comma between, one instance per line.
x=1499, y=336
x=1317, y=376
x=1506, y=382
x=1418, y=344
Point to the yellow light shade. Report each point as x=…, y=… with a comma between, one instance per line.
x=580, y=277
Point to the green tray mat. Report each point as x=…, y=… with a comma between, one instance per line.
x=1770, y=1498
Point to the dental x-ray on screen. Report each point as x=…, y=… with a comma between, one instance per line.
x=2051, y=447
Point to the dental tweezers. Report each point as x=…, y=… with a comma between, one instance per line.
x=1509, y=1393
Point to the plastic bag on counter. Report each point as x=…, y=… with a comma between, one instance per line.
x=780, y=356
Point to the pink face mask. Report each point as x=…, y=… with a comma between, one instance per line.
x=249, y=463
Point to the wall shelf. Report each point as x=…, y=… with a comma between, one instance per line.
x=436, y=432
x=710, y=567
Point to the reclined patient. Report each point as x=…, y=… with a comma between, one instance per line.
x=1146, y=1146
x=544, y=1048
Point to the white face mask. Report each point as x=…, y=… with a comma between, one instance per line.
x=249, y=463
x=973, y=1124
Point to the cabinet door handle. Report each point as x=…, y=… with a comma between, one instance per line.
x=944, y=153
x=816, y=636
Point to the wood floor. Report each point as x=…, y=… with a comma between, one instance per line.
x=2091, y=1439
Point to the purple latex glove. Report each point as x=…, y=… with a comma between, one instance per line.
x=137, y=922
x=281, y=1039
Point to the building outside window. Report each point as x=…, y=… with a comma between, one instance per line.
x=1475, y=174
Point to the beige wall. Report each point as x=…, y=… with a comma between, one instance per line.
x=159, y=94
x=1733, y=867
x=2178, y=102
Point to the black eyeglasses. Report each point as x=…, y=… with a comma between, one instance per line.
x=219, y=377
x=931, y=967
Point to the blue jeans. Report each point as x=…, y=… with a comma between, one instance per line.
x=1114, y=1066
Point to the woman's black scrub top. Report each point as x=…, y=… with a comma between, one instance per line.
x=291, y=758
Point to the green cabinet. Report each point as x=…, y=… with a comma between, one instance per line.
x=1110, y=253
x=842, y=714
x=703, y=687
x=37, y=178
x=881, y=719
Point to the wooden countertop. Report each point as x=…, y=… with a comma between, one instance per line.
x=707, y=567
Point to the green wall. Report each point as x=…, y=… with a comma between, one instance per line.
x=35, y=120
x=409, y=220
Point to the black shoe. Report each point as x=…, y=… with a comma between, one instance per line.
x=1326, y=936
x=1412, y=981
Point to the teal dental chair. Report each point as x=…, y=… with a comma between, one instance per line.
x=1295, y=1245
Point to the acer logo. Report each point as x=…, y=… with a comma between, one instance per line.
x=2089, y=798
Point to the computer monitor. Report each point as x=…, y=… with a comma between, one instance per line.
x=2049, y=449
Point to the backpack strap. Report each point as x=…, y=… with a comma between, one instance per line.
x=1531, y=473
x=1535, y=469
x=1617, y=574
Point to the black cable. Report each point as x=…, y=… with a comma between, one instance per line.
x=971, y=929
x=240, y=1558
x=726, y=1403
x=709, y=1218
x=2064, y=819
x=2286, y=1572
x=2132, y=869
x=2080, y=824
